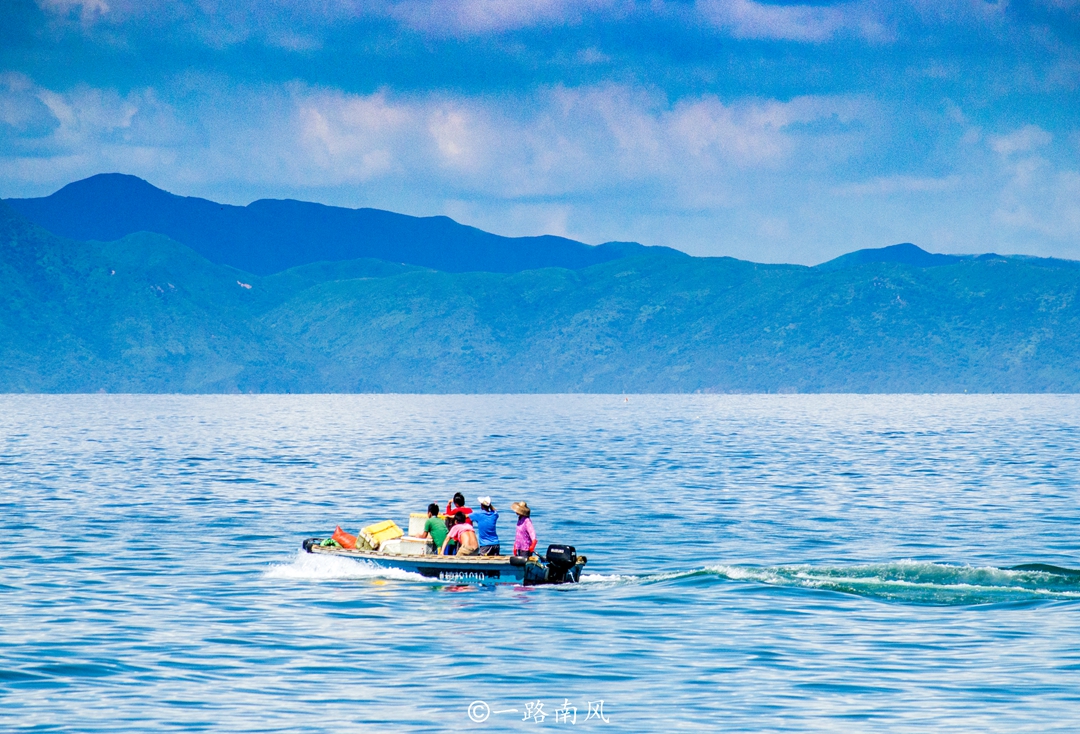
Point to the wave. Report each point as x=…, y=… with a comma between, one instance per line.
x=310, y=567
x=919, y=582
x=1058, y=570
x=904, y=582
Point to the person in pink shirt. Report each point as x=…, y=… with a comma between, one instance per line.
x=525, y=537
x=453, y=507
x=464, y=535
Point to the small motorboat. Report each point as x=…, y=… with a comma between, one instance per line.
x=560, y=565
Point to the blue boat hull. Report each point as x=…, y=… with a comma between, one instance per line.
x=533, y=571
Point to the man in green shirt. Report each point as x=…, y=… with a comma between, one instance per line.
x=434, y=528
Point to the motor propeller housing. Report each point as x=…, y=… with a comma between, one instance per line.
x=561, y=556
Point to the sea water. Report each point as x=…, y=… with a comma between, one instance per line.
x=830, y=563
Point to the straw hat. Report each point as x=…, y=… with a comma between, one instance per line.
x=521, y=508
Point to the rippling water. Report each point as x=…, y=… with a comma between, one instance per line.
x=755, y=563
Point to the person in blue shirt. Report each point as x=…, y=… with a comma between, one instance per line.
x=484, y=521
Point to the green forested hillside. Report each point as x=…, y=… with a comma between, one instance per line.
x=148, y=314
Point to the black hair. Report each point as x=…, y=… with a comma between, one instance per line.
x=459, y=499
x=433, y=509
x=459, y=518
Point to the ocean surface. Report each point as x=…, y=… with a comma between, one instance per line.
x=779, y=563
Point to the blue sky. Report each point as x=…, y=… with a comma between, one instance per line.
x=776, y=132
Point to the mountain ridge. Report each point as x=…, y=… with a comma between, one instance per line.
x=904, y=253
x=272, y=235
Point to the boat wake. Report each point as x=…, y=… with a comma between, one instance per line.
x=904, y=582
x=914, y=582
x=310, y=567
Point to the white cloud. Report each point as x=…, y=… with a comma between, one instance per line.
x=418, y=153
x=1024, y=140
x=21, y=108
x=299, y=23
x=80, y=118
x=760, y=133
x=1042, y=201
x=890, y=185
x=560, y=142
x=350, y=138
x=591, y=55
x=808, y=23
x=1061, y=4
x=467, y=17
x=60, y=135
x=303, y=25
x=86, y=9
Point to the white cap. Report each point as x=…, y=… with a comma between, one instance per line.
x=485, y=501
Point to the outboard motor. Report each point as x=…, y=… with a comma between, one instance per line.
x=561, y=560
x=561, y=564
x=561, y=556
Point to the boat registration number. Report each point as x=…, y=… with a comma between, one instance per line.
x=467, y=575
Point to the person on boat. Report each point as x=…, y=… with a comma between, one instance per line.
x=456, y=505
x=434, y=528
x=464, y=535
x=525, y=536
x=484, y=521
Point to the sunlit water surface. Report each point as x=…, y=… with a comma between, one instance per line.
x=755, y=563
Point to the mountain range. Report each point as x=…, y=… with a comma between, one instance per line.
x=95, y=296
x=270, y=235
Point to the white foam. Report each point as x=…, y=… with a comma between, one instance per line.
x=745, y=573
x=633, y=578
x=600, y=578
x=976, y=583
x=311, y=567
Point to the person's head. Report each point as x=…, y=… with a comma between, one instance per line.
x=485, y=503
x=433, y=510
x=460, y=519
x=459, y=499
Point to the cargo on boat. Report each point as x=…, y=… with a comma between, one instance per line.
x=560, y=565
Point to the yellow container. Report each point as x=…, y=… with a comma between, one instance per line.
x=381, y=531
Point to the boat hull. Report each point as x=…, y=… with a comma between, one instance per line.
x=460, y=569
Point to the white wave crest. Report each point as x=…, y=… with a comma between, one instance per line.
x=604, y=578
x=311, y=567
x=744, y=573
x=648, y=578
